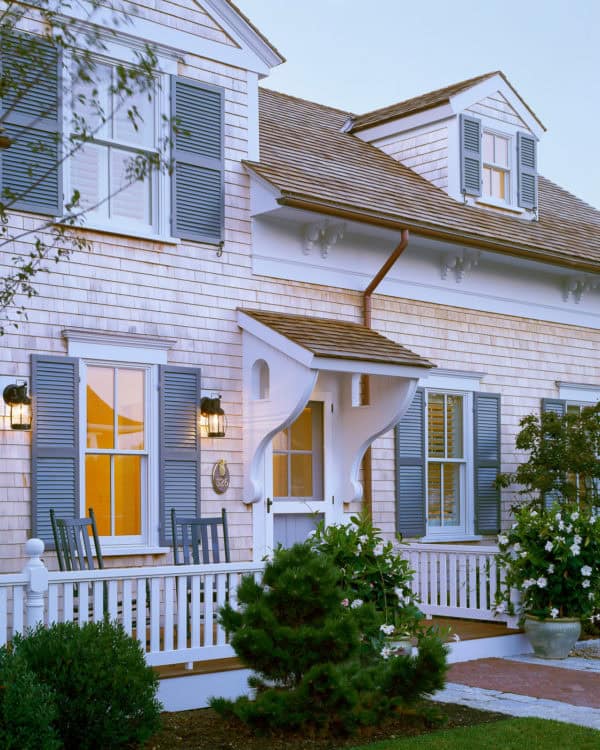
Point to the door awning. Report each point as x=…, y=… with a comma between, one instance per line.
x=285, y=357
x=328, y=344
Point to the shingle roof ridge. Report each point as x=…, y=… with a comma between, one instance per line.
x=437, y=94
x=305, y=101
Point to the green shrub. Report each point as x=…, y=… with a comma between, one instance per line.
x=371, y=570
x=318, y=663
x=27, y=707
x=106, y=695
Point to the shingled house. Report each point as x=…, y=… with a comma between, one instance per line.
x=403, y=281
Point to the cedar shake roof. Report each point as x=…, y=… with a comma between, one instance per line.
x=315, y=166
x=426, y=101
x=338, y=339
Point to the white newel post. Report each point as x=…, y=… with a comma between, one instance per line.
x=37, y=585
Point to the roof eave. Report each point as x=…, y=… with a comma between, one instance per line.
x=308, y=203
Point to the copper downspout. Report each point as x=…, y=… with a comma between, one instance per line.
x=367, y=466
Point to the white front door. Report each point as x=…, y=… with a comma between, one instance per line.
x=298, y=499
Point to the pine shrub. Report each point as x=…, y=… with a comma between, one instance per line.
x=105, y=693
x=318, y=663
x=27, y=707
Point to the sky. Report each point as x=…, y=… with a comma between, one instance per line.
x=359, y=55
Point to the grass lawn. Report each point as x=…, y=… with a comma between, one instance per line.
x=511, y=734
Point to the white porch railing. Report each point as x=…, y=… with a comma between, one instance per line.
x=171, y=610
x=456, y=580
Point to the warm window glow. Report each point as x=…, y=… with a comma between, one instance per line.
x=115, y=448
x=297, y=457
x=496, y=167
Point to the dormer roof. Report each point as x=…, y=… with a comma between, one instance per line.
x=428, y=101
x=310, y=163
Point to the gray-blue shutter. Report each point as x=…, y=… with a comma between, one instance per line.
x=557, y=406
x=179, y=436
x=470, y=155
x=197, y=183
x=527, y=170
x=486, y=455
x=55, y=441
x=31, y=117
x=411, y=517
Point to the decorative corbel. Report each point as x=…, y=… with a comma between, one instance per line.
x=322, y=235
x=460, y=263
x=575, y=287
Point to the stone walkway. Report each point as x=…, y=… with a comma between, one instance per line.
x=567, y=690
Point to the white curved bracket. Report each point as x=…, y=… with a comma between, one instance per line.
x=291, y=384
x=360, y=426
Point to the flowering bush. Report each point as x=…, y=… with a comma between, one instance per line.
x=371, y=571
x=553, y=558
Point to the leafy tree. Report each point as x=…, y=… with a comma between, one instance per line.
x=319, y=664
x=26, y=250
x=564, y=456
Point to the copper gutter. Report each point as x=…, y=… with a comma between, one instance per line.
x=367, y=464
x=446, y=235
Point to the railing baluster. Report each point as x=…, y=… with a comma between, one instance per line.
x=195, y=617
x=127, y=607
x=154, y=614
x=472, y=573
x=141, y=605
x=209, y=580
x=169, y=614
x=221, y=593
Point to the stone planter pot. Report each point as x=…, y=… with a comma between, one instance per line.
x=552, y=639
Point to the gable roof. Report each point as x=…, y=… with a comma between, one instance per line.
x=428, y=101
x=315, y=166
x=338, y=339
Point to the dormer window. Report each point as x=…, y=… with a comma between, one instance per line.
x=487, y=159
x=496, y=167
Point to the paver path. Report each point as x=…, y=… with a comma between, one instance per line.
x=577, y=688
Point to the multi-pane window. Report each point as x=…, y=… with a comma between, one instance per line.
x=446, y=460
x=298, y=457
x=496, y=166
x=116, y=448
x=101, y=169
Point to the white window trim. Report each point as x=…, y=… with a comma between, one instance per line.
x=113, y=349
x=160, y=231
x=578, y=392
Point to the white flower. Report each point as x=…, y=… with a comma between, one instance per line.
x=386, y=652
x=542, y=582
x=574, y=516
x=548, y=546
x=575, y=549
x=378, y=549
x=524, y=554
x=502, y=539
x=533, y=513
x=569, y=528
x=551, y=568
x=356, y=604
x=577, y=539
x=591, y=596
x=560, y=539
x=363, y=538
x=387, y=629
x=586, y=570
x=558, y=517
x=561, y=526
x=501, y=608
x=514, y=526
x=516, y=547
x=358, y=550
x=554, y=613
x=528, y=582
x=585, y=584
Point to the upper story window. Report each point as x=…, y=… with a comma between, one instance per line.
x=45, y=124
x=496, y=166
x=102, y=168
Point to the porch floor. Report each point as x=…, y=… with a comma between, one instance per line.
x=466, y=630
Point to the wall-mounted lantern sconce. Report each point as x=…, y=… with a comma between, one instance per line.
x=19, y=404
x=213, y=416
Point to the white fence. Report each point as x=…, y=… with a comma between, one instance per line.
x=456, y=580
x=171, y=610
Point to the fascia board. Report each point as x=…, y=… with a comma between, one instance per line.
x=279, y=342
x=166, y=39
x=402, y=124
x=242, y=32
x=359, y=366
x=264, y=197
x=464, y=99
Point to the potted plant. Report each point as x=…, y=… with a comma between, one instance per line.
x=552, y=558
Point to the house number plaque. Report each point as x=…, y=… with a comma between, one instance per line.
x=220, y=477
